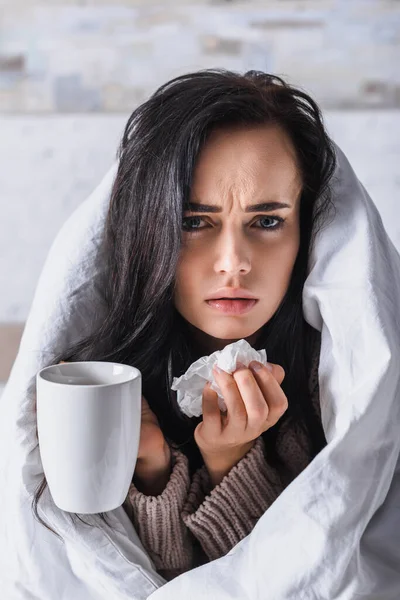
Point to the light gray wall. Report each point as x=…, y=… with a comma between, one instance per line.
x=106, y=56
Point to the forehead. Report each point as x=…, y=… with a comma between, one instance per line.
x=247, y=162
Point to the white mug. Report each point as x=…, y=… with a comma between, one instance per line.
x=88, y=421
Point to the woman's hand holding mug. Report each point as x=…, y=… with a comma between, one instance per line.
x=153, y=465
x=255, y=402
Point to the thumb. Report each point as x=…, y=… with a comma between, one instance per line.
x=211, y=417
x=210, y=404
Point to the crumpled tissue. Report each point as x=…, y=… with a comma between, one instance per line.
x=190, y=385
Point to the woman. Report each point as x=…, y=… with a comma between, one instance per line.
x=221, y=187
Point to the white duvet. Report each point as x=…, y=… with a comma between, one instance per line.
x=334, y=533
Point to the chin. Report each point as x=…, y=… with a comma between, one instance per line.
x=231, y=336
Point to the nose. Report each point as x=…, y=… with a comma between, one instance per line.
x=232, y=254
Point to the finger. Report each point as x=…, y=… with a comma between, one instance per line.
x=272, y=392
x=146, y=410
x=255, y=403
x=277, y=371
x=147, y=414
x=236, y=416
x=211, y=411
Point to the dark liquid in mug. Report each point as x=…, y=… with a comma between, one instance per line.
x=85, y=381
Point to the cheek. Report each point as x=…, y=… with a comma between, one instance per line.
x=280, y=261
x=289, y=251
x=290, y=244
x=188, y=278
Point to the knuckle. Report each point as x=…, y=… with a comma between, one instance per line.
x=243, y=376
x=277, y=415
x=260, y=413
x=230, y=385
x=282, y=373
x=284, y=405
x=279, y=410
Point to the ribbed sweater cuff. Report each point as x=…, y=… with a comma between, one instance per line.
x=222, y=517
x=158, y=521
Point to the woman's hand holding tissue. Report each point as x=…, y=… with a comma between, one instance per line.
x=153, y=465
x=255, y=402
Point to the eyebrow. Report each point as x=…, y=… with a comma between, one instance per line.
x=263, y=207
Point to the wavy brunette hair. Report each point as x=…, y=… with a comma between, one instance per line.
x=143, y=235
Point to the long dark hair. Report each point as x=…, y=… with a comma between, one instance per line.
x=142, y=239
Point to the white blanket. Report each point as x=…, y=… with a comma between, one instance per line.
x=334, y=533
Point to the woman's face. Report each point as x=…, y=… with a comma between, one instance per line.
x=238, y=247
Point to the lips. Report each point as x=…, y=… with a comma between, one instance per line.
x=232, y=305
x=230, y=293
x=230, y=298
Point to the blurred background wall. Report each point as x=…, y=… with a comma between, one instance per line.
x=72, y=71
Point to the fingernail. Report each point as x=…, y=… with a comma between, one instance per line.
x=255, y=366
x=217, y=369
x=269, y=366
x=240, y=365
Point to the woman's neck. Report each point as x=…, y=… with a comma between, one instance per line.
x=204, y=344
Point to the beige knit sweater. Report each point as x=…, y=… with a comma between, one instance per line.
x=191, y=523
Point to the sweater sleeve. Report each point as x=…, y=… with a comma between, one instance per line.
x=189, y=524
x=222, y=516
x=158, y=521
